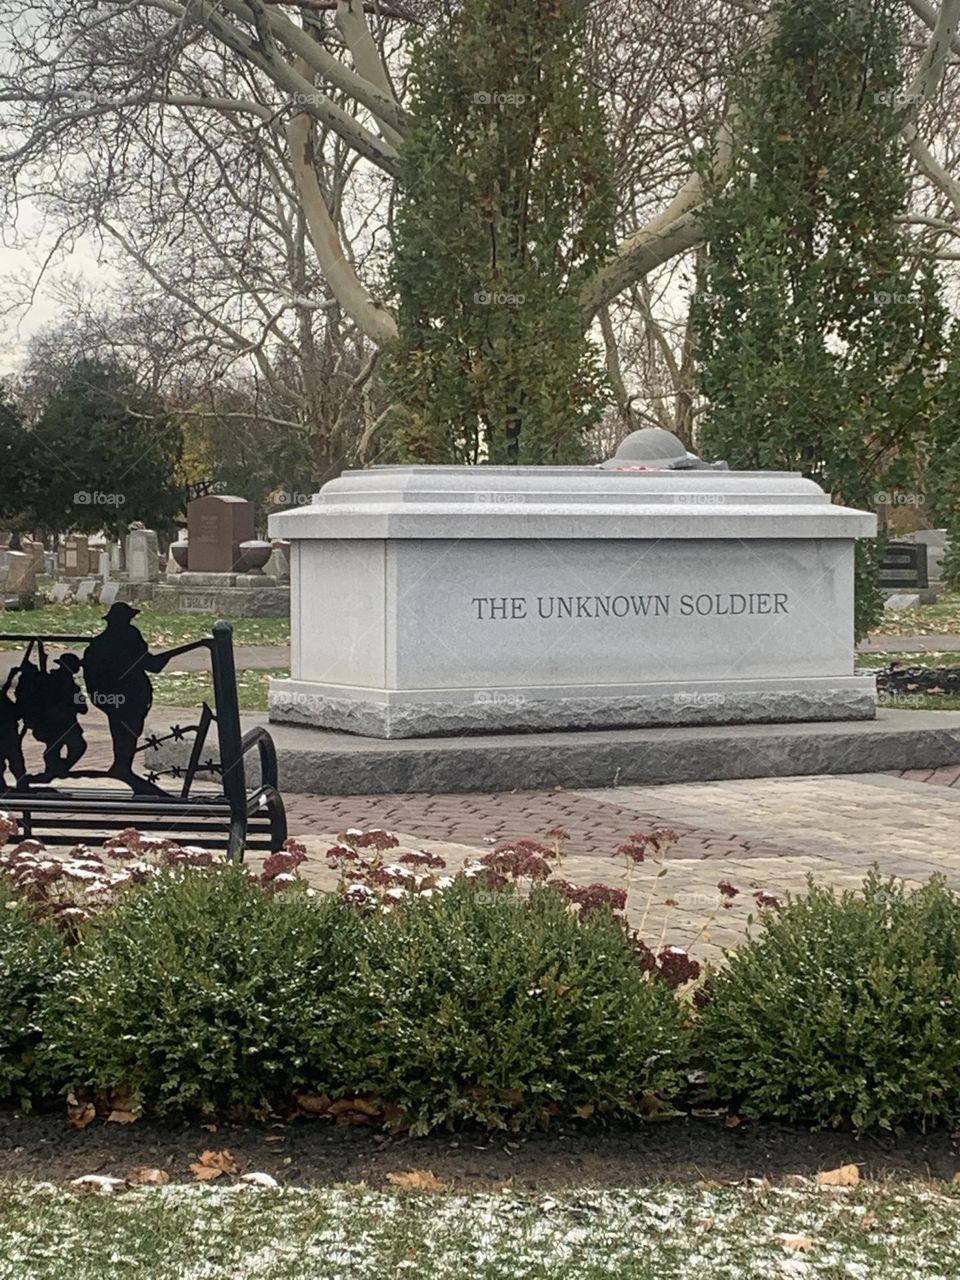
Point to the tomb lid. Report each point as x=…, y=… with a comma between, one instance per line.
x=570, y=502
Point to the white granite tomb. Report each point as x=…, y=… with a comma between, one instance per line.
x=438, y=600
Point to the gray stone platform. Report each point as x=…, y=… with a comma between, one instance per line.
x=328, y=762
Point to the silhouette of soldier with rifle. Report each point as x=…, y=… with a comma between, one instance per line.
x=115, y=667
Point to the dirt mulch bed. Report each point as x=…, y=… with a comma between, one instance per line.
x=305, y=1152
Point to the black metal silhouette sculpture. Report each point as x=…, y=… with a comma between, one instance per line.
x=62, y=702
x=116, y=666
x=11, y=750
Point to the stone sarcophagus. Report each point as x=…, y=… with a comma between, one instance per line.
x=444, y=600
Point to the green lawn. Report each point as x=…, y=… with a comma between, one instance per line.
x=913, y=701
x=190, y=688
x=158, y=628
x=702, y=1232
x=942, y=618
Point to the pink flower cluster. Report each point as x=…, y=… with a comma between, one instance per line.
x=366, y=880
x=73, y=888
x=641, y=843
x=673, y=965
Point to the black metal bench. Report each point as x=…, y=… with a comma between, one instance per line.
x=227, y=816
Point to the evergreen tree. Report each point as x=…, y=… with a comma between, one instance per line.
x=14, y=466
x=819, y=335
x=104, y=453
x=505, y=207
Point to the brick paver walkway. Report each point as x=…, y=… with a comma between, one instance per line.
x=762, y=835
x=945, y=777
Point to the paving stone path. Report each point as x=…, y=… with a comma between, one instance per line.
x=764, y=835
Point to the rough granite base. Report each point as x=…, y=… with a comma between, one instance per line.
x=442, y=712
x=226, y=602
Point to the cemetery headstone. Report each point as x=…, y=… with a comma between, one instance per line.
x=18, y=574
x=35, y=549
x=217, y=525
x=904, y=566
x=87, y=591
x=76, y=550
x=278, y=566
x=143, y=556
x=115, y=552
x=103, y=567
x=110, y=593
x=61, y=591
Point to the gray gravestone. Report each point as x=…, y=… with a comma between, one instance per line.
x=87, y=591
x=217, y=525
x=143, y=556
x=35, y=549
x=61, y=591
x=278, y=566
x=110, y=593
x=18, y=573
x=76, y=557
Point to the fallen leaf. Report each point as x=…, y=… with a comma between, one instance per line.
x=798, y=1244
x=343, y=1105
x=416, y=1180
x=586, y=1111
x=259, y=1180
x=704, y=1224
x=314, y=1104
x=80, y=1114
x=732, y=1122
x=122, y=1117
x=848, y=1175
x=867, y=1221
x=98, y=1182
x=212, y=1164
x=144, y=1176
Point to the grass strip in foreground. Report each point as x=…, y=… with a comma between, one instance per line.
x=721, y=1232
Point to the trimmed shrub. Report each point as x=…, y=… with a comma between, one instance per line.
x=30, y=955
x=199, y=991
x=501, y=1009
x=845, y=1010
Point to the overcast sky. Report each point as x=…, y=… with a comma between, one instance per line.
x=23, y=251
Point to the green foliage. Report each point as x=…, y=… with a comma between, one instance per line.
x=505, y=209
x=942, y=474
x=103, y=452
x=201, y=992
x=845, y=1010
x=30, y=956
x=493, y=1008
x=819, y=335
x=14, y=461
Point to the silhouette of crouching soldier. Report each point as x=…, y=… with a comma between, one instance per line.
x=11, y=744
x=60, y=729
